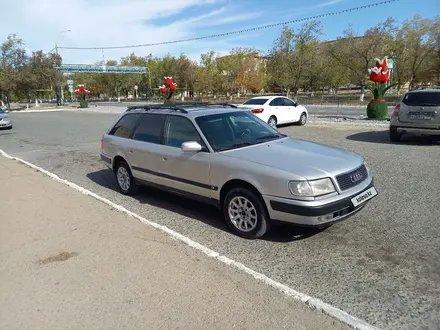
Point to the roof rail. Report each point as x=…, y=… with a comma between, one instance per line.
x=424, y=87
x=178, y=106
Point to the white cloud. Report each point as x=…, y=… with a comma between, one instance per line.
x=101, y=23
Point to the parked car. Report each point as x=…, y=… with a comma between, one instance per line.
x=5, y=121
x=228, y=157
x=418, y=113
x=276, y=110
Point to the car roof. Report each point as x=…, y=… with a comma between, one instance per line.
x=191, y=110
x=425, y=89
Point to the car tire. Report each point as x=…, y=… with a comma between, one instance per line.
x=395, y=136
x=272, y=121
x=124, y=179
x=253, y=220
x=302, y=119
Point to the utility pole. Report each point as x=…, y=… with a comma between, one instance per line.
x=58, y=77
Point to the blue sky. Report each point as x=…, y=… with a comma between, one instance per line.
x=112, y=22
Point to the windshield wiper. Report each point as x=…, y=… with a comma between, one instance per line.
x=271, y=136
x=236, y=145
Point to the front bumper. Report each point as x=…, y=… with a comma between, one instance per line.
x=5, y=124
x=316, y=213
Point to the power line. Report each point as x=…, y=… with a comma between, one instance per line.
x=242, y=31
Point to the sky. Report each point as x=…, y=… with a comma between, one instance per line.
x=101, y=23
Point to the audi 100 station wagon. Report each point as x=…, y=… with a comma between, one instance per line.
x=226, y=156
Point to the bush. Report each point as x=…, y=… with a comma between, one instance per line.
x=377, y=110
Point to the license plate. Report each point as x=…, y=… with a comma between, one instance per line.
x=420, y=117
x=364, y=196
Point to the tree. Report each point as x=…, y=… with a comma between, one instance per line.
x=412, y=48
x=356, y=53
x=13, y=59
x=292, y=58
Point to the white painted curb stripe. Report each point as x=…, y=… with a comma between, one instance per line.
x=311, y=302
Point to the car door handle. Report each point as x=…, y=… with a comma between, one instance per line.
x=130, y=151
x=164, y=159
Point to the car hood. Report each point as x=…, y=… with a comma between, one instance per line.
x=3, y=115
x=307, y=159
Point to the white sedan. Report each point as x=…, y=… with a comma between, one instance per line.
x=276, y=110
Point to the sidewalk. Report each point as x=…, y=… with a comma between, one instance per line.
x=68, y=261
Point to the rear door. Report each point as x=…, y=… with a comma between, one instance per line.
x=146, y=151
x=421, y=108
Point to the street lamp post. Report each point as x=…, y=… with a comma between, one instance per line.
x=59, y=87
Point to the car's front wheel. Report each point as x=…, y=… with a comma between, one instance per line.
x=303, y=119
x=245, y=213
x=126, y=182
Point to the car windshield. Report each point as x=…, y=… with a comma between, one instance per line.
x=1, y=110
x=237, y=129
x=255, y=101
x=422, y=99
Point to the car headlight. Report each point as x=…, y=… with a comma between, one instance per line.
x=313, y=188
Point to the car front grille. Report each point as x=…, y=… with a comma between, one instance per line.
x=353, y=178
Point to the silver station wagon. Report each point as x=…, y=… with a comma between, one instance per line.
x=226, y=156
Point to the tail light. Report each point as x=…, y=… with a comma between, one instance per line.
x=102, y=144
x=396, y=110
x=260, y=110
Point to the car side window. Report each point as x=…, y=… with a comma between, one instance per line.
x=179, y=129
x=275, y=102
x=288, y=103
x=124, y=127
x=150, y=128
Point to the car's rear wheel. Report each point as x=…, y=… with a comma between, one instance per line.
x=395, y=136
x=124, y=178
x=272, y=121
x=245, y=213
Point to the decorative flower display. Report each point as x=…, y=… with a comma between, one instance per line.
x=168, y=88
x=379, y=75
x=82, y=93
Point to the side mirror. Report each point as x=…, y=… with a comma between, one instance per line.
x=191, y=146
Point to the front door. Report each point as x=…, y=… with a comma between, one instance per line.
x=189, y=171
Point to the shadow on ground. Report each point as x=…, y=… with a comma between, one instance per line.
x=382, y=137
x=207, y=214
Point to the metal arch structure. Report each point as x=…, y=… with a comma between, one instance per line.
x=85, y=68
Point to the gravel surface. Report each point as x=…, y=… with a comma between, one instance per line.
x=382, y=265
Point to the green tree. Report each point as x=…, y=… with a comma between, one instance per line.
x=13, y=59
x=293, y=56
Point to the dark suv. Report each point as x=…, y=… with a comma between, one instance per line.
x=418, y=113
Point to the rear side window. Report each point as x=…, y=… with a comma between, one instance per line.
x=150, y=128
x=422, y=99
x=124, y=127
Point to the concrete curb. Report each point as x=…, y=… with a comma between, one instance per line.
x=311, y=302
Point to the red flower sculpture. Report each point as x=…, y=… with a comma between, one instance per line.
x=379, y=75
x=168, y=88
x=82, y=93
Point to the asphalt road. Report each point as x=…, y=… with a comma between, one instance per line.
x=382, y=265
